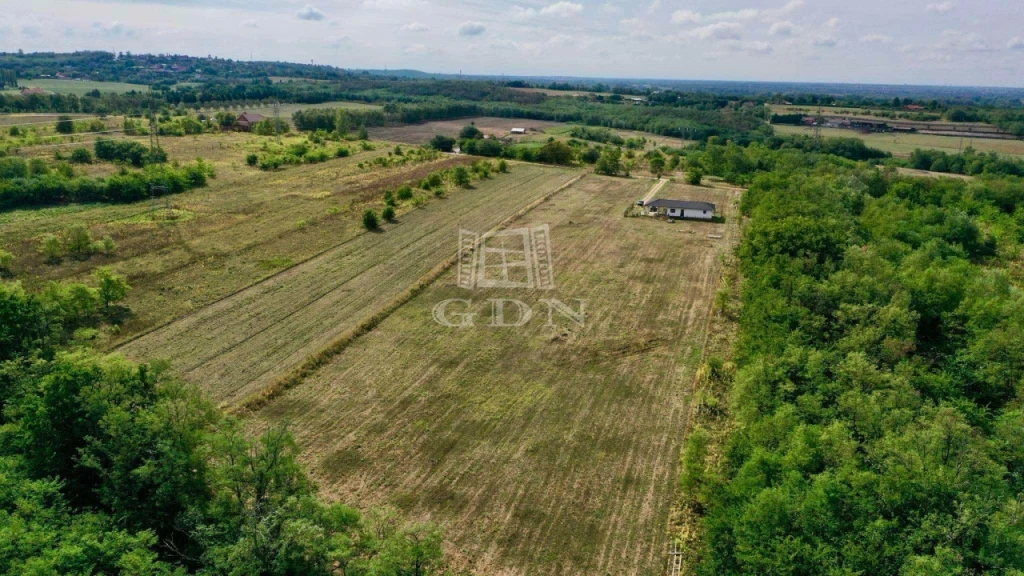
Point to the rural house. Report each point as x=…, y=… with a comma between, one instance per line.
x=519, y=130
x=247, y=119
x=682, y=209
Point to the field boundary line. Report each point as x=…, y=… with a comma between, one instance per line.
x=675, y=554
x=316, y=361
x=234, y=293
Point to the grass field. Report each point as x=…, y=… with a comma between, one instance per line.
x=77, y=87
x=243, y=227
x=422, y=133
x=542, y=450
x=903, y=144
x=242, y=344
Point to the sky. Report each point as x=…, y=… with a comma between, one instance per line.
x=937, y=42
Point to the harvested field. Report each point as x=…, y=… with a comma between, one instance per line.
x=241, y=344
x=903, y=144
x=541, y=449
x=245, y=226
x=422, y=133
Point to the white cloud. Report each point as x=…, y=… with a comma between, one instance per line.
x=941, y=7
x=784, y=28
x=758, y=47
x=113, y=29
x=415, y=27
x=391, y=4
x=520, y=13
x=631, y=22
x=471, y=29
x=562, y=9
x=655, y=5
x=717, y=31
x=562, y=40
x=1015, y=43
x=686, y=17
x=250, y=23
x=308, y=12
x=832, y=22
x=824, y=42
x=960, y=41
x=876, y=39
x=338, y=41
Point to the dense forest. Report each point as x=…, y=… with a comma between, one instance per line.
x=875, y=399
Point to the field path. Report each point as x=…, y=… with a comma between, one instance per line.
x=654, y=189
x=238, y=345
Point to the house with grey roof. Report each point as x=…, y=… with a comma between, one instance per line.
x=681, y=209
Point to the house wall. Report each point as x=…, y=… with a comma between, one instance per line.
x=699, y=214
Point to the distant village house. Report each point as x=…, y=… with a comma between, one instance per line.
x=247, y=119
x=519, y=130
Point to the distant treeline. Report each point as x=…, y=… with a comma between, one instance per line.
x=970, y=162
x=21, y=188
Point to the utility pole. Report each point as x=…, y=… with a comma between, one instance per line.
x=277, y=120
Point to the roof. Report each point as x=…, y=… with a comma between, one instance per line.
x=681, y=204
x=250, y=117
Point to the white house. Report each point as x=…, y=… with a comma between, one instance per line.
x=519, y=130
x=682, y=209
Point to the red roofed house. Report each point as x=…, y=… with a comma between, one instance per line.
x=247, y=119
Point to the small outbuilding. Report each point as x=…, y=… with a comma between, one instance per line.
x=682, y=209
x=247, y=119
x=519, y=131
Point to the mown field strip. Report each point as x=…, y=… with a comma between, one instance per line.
x=242, y=343
x=542, y=450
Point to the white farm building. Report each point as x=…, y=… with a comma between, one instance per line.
x=682, y=209
x=519, y=130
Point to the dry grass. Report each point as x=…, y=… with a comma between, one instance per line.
x=543, y=450
x=422, y=133
x=245, y=226
x=903, y=144
x=244, y=343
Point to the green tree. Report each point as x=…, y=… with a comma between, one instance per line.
x=460, y=176
x=78, y=243
x=81, y=156
x=694, y=176
x=370, y=221
x=502, y=166
x=65, y=125
x=657, y=165
x=363, y=134
x=6, y=261
x=111, y=287
x=555, y=152
x=388, y=213
x=51, y=248
x=470, y=132
x=442, y=143
x=610, y=162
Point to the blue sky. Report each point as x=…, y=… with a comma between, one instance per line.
x=980, y=42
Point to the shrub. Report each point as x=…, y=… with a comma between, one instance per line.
x=442, y=143
x=78, y=243
x=404, y=192
x=6, y=260
x=65, y=125
x=470, y=132
x=389, y=198
x=388, y=213
x=51, y=249
x=342, y=152
x=460, y=176
x=502, y=166
x=370, y=221
x=81, y=156
x=694, y=176
x=110, y=288
x=252, y=159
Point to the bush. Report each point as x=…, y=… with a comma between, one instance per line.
x=342, y=152
x=388, y=213
x=6, y=260
x=442, y=143
x=370, y=221
x=51, y=249
x=77, y=243
x=694, y=176
x=460, y=176
x=252, y=159
x=404, y=192
x=502, y=166
x=65, y=125
x=470, y=132
x=81, y=156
